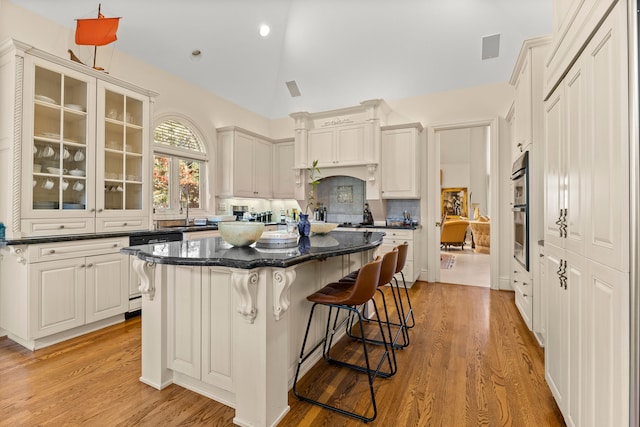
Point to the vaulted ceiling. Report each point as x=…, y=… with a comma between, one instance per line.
x=339, y=52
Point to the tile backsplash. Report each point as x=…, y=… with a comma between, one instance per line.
x=344, y=198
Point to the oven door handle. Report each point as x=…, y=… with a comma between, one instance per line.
x=519, y=209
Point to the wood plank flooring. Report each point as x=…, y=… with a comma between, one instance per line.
x=471, y=362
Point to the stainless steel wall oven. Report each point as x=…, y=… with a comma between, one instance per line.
x=520, y=180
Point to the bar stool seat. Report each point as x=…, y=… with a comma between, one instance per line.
x=342, y=296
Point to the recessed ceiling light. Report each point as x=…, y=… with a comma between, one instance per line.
x=196, y=52
x=196, y=55
x=264, y=30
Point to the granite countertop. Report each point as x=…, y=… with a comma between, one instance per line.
x=214, y=251
x=388, y=227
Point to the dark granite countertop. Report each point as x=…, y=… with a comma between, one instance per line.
x=88, y=236
x=400, y=227
x=214, y=251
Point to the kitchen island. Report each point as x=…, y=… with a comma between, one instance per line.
x=228, y=322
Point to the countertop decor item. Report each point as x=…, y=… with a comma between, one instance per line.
x=304, y=226
x=319, y=227
x=241, y=233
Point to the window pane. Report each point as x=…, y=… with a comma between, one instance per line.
x=190, y=177
x=161, y=177
x=176, y=135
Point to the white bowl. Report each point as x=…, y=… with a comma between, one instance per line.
x=322, y=227
x=240, y=233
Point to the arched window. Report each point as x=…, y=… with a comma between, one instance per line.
x=179, y=165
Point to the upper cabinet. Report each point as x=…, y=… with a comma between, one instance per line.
x=573, y=24
x=527, y=81
x=400, y=165
x=284, y=176
x=244, y=164
x=340, y=138
x=77, y=144
x=340, y=145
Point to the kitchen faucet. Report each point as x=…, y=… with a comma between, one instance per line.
x=185, y=190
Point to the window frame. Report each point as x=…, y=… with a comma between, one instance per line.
x=176, y=154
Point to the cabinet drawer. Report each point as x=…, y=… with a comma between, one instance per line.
x=56, y=226
x=398, y=234
x=524, y=299
x=120, y=224
x=391, y=243
x=74, y=249
x=195, y=235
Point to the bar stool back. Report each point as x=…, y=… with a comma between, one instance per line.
x=343, y=296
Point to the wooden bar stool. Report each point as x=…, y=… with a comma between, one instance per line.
x=346, y=297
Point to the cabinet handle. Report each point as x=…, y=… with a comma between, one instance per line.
x=99, y=210
x=525, y=295
x=124, y=224
x=92, y=210
x=52, y=251
x=115, y=245
x=89, y=265
x=82, y=266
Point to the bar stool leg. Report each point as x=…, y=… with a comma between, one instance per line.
x=406, y=291
x=328, y=338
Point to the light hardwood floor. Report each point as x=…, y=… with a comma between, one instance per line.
x=471, y=362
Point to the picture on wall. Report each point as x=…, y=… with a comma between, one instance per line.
x=454, y=202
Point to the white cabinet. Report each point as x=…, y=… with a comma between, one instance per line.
x=49, y=291
x=524, y=293
x=586, y=232
x=527, y=80
x=244, y=164
x=284, y=177
x=77, y=142
x=55, y=136
x=200, y=321
x=587, y=153
x=400, y=161
x=339, y=145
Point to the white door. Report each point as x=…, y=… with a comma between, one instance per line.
x=107, y=292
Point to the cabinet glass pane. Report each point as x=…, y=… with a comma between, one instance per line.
x=59, y=141
x=133, y=114
x=133, y=196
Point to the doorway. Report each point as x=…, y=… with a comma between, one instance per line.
x=463, y=174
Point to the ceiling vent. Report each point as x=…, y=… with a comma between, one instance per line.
x=294, y=90
x=490, y=46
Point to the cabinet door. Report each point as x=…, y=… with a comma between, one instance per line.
x=556, y=359
x=575, y=167
x=262, y=168
x=400, y=177
x=350, y=145
x=57, y=295
x=607, y=301
x=608, y=217
x=554, y=171
x=243, y=166
x=107, y=286
x=123, y=134
x=523, y=122
x=322, y=147
x=58, y=141
x=283, y=173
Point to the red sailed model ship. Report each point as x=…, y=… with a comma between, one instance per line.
x=95, y=32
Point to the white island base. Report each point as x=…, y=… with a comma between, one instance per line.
x=233, y=334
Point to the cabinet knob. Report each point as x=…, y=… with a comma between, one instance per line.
x=52, y=251
x=92, y=210
x=89, y=265
x=525, y=295
x=62, y=226
x=115, y=245
x=82, y=266
x=124, y=224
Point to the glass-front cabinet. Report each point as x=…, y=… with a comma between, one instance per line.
x=59, y=148
x=122, y=139
x=77, y=147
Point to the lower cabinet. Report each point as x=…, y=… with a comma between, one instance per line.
x=200, y=316
x=523, y=288
x=54, y=288
x=587, y=339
